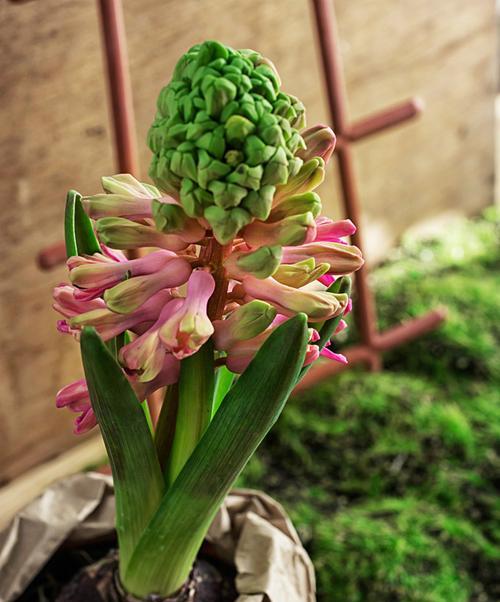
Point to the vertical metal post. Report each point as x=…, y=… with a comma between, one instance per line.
x=332, y=68
x=120, y=88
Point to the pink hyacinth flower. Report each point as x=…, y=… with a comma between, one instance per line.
x=109, y=324
x=168, y=375
x=342, y=258
x=145, y=356
x=189, y=326
x=327, y=279
x=318, y=305
x=75, y=397
x=99, y=271
x=131, y=294
x=337, y=357
x=69, y=306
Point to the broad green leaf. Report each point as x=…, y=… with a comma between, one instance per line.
x=194, y=410
x=137, y=476
x=78, y=230
x=168, y=547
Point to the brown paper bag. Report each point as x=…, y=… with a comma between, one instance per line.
x=251, y=531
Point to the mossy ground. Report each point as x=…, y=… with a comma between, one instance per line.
x=392, y=479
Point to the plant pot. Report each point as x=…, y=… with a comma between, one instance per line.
x=251, y=546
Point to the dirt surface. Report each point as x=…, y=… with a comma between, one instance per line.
x=98, y=582
x=90, y=575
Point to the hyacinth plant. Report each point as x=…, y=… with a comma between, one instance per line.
x=240, y=290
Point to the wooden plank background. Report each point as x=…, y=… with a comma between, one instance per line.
x=56, y=135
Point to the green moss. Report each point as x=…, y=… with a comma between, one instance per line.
x=392, y=479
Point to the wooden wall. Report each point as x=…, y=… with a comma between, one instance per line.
x=56, y=135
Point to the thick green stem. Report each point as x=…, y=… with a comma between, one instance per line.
x=165, y=428
x=196, y=390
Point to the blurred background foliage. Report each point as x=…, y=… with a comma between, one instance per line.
x=392, y=479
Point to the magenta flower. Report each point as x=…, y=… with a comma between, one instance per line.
x=188, y=326
x=330, y=231
x=75, y=397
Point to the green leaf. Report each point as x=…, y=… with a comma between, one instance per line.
x=245, y=416
x=78, y=230
x=69, y=224
x=137, y=476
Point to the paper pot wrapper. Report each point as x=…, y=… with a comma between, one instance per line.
x=251, y=532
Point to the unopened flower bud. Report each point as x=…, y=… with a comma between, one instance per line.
x=126, y=184
x=342, y=259
x=309, y=177
x=226, y=223
x=308, y=202
x=126, y=197
x=121, y=233
x=110, y=205
x=130, y=294
x=301, y=273
x=259, y=202
x=244, y=323
x=260, y=263
x=292, y=230
x=110, y=324
x=170, y=218
x=317, y=305
x=100, y=271
x=320, y=142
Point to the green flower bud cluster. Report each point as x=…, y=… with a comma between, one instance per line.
x=225, y=136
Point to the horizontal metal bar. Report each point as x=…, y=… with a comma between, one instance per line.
x=371, y=356
x=384, y=119
x=409, y=330
x=324, y=369
x=51, y=256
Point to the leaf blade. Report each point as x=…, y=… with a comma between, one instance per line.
x=136, y=471
x=69, y=224
x=86, y=240
x=79, y=235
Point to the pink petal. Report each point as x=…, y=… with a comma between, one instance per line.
x=326, y=279
x=338, y=357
